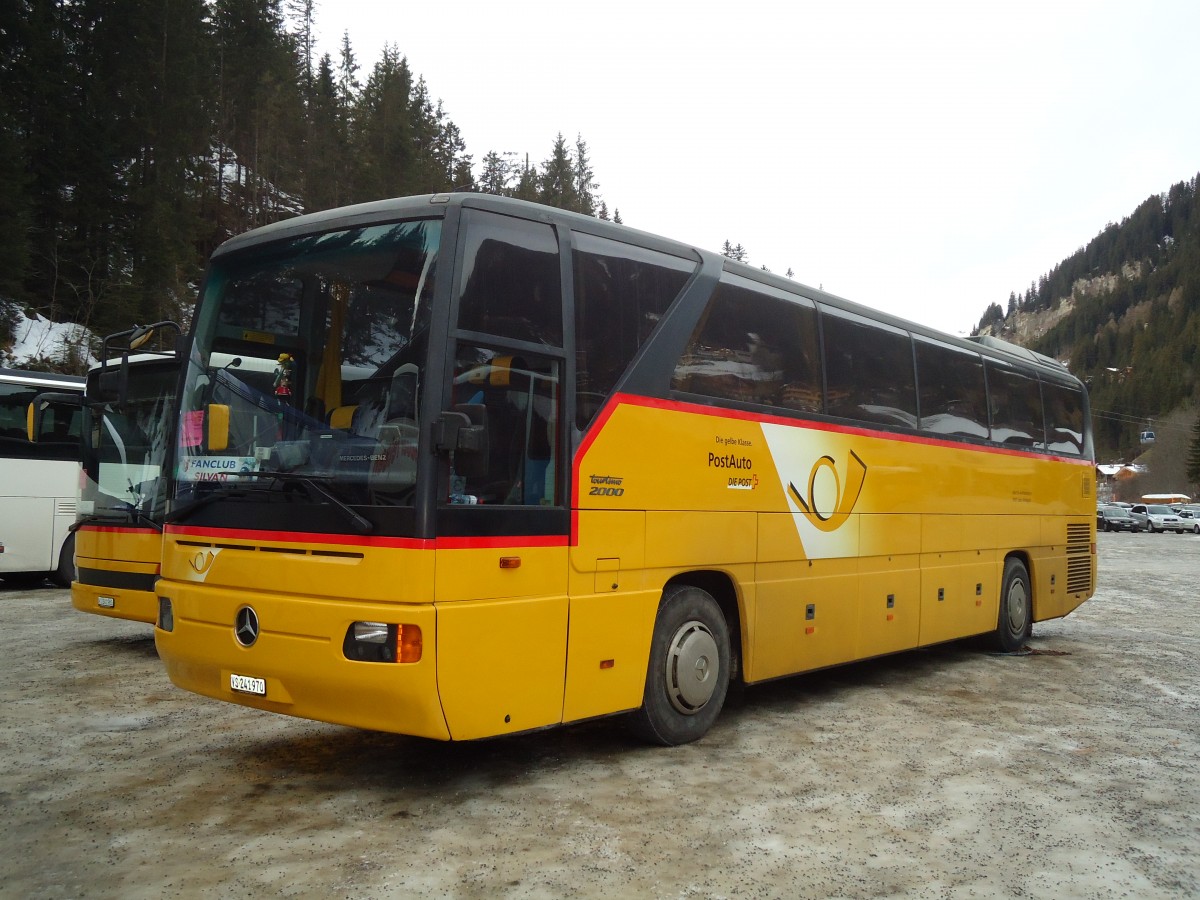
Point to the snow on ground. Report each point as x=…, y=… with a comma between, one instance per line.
x=61, y=343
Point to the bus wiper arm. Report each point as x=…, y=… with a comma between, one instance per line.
x=185, y=511
x=314, y=487
x=96, y=519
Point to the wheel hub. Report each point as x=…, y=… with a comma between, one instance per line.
x=692, y=667
x=1016, y=607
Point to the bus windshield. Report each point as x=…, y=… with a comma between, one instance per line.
x=306, y=369
x=125, y=447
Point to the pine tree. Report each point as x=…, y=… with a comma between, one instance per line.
x=585, y=179
x=347, y=74
x=557, y=182
x=450, y=155
x=14, y=204
x=527, y=183
x=173, y=65
x=383, y=143
x=327, y=181
x=496, y=175
x=260, y=113
x=737, y=252
x=39, y=75
x=1193, y=463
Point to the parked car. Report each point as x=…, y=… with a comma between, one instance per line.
x=1156, y=517
x=1190, y=513
x=1116, y=518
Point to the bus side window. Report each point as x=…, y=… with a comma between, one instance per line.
x=953, y=394
x=621, y=293
x=511, y=279
x=14, y=400
x=754, y=345
x=868, y=370
x=522, y=399
x=1064, y=418
x=1016, y=406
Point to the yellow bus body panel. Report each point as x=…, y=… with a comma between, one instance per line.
x=612, y=608
x=837, y=544
x=126, y=554
x=861, y=543
x=501, y=665
x=294, y=563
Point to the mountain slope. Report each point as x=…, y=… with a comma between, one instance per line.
x=1124, y=314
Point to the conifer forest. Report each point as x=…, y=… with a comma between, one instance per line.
x=138, y=135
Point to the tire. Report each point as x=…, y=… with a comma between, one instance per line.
x=1015, y=621
x=65, y=573
x=687, y=678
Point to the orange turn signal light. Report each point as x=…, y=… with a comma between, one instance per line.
x=409, y=643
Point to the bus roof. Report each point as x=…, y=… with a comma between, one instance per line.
x=436, y=205
x=41, y=379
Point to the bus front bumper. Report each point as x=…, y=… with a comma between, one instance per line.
x=295, y=664
x=122, y=590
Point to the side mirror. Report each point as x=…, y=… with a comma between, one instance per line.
x=114, y=387
x=463, y=433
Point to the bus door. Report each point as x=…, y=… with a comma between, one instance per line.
x=502, y=522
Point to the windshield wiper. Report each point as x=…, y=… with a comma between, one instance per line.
x=183, y=512
x=316, y=489
x=309, y=482
x=135, y=514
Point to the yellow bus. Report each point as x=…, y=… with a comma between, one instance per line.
x=129, y=405
x=520, y=467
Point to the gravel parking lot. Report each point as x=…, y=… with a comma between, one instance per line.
x=1070, y=771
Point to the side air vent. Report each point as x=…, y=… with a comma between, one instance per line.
x=290, y=551
x=1079, y=558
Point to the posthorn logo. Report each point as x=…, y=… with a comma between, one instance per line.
x=245, y=626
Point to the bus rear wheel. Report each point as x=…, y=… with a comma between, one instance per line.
x=1015, y=622
x=690, y=664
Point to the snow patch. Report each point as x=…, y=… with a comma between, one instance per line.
x=39, y=343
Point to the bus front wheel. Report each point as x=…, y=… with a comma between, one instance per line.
x=1016, y=608
x=64, y=574
x=690, y=663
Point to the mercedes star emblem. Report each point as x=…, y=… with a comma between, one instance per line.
x=245, y=626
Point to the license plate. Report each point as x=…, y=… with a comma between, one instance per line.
x=244, y=684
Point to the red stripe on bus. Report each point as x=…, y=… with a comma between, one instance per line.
x=480, y=543
x=747, y=416
x=298, y=537
x=443, y=543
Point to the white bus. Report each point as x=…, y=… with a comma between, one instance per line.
x=39, y=482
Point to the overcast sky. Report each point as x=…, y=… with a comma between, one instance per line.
x=924, y=158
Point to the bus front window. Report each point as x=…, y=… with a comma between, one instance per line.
x=308, y=364
x=126, y=446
